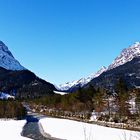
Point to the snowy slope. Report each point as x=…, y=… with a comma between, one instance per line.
x=98, y=73
x=11, y=130
x=81, y=82
x=7, y=60
x=126, y=55
x=73, y=130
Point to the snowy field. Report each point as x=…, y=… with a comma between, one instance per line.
x=73, y=130
x=11, y=129
x=59, y=92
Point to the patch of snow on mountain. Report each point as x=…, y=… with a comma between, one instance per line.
x=126, y=55
x=68, y=85
x=7, y=60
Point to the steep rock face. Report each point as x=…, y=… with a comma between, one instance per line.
x=7, y=60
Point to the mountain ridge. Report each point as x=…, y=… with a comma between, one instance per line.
x=81, y=82
x=126, y=55
x=7, y=60
x=128, y=72
x=13, y=76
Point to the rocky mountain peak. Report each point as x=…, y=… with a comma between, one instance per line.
x=126, y=55
x=7, y=60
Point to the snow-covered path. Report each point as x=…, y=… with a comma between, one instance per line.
x=11, y=130
x=73, y=130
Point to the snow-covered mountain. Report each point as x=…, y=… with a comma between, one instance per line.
x=98, y=73
x=126, y=55
x=7, y=60
x=82, y=81
x=13, y=76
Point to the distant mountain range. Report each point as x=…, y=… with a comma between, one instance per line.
x=16, y=79
x=83, y=81
x=126, y=66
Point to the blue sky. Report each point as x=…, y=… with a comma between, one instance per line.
x=64, y=40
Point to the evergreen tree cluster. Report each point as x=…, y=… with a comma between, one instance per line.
x=109, y=106
x=12, y=109
x=80, y=100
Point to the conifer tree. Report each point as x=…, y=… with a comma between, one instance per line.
x=122, y=98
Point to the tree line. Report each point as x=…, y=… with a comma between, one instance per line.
x=112, y=106
x=12, y=109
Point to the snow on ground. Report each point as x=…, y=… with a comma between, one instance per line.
x=59, y=92
x=11, y=130
x=73, y=130
x=6, y=96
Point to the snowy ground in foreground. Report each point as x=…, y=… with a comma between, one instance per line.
x=73, y=130
x=11, y=129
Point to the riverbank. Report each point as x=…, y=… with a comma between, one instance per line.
x=33, y=128
x=131, y=126
x=74, y=130
x=11, y=129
